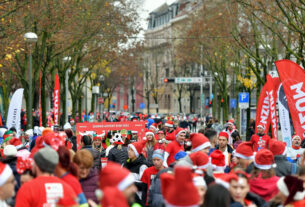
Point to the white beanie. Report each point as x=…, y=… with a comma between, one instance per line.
x=10, y=150
x=29, y=132
x=67, y=126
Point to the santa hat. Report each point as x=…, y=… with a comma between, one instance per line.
x=29, y=132
x=113, y=192
x=292, y=188
x=261, y=125
x=264, y=159
x=5, y=173
x=200, y=159
x=277, y=147
x=199, y=142
x=224, y=179
x=179, y=189
x=230, y=122
x=218, y=159
x=149, y=132
x=295, y=136
x=113, y=175
x=154, y=126
x=16, y=142
x=199, y=181
x=244, y=151
x=223, y=134
x=137, y=147
x=170, y=136
x=179, y=131
x=97, y=138
x=169, y=124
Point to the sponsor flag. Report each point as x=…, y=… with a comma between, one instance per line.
x=272, y=106
x=56, y=100
x=14, y=111
x=284, y=116
x=262, y=112
x=293, y=77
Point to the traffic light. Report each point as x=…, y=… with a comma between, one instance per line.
x=169, y=80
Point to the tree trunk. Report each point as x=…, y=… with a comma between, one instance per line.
x=79, y=100
x=93, y=103
x=43, y=99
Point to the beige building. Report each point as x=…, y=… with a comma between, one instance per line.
x=165, y=27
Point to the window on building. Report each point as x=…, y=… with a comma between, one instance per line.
x=167, y=72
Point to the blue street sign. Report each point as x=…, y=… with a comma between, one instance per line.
x=233, y=103
x=243, y=97
x=243, y=100
x=142, y=105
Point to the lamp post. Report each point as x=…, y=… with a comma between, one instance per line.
x=101, y=79
x=31, y=38
x=66, y=59
x=85, y=70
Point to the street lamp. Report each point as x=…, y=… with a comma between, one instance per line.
x=101, y=79
x=31, y=38
x=85, y=70
x=66, y=59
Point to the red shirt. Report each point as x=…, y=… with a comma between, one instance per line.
x=170, y=136
x=45, y=191
x=73, y=182
x=260, y=142
x=172, y=149
x=148, y=175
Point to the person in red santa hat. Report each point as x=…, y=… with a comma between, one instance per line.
x=263, y=180
x=137, y=165
x=224, y=147
x=174, y=147
x=230, y=129
x=260, y=140
x=150, y=146
x=291, y=191
x=243, y=156
x=283, y=166
x=170, y=134
x=179, y=189
x=116, y=182
x=218, y=161
x=295, y=151
x=200, y=143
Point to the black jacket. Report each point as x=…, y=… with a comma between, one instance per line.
x=229, y=148
x=136, y=167
x=118, y=155
x=283, y=166
x=256, y=199
x=96, y=156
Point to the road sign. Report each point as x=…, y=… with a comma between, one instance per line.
x=142, y=105
x=181, y=80
x=153, y=106
x=233, y=103
x=243, y=100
